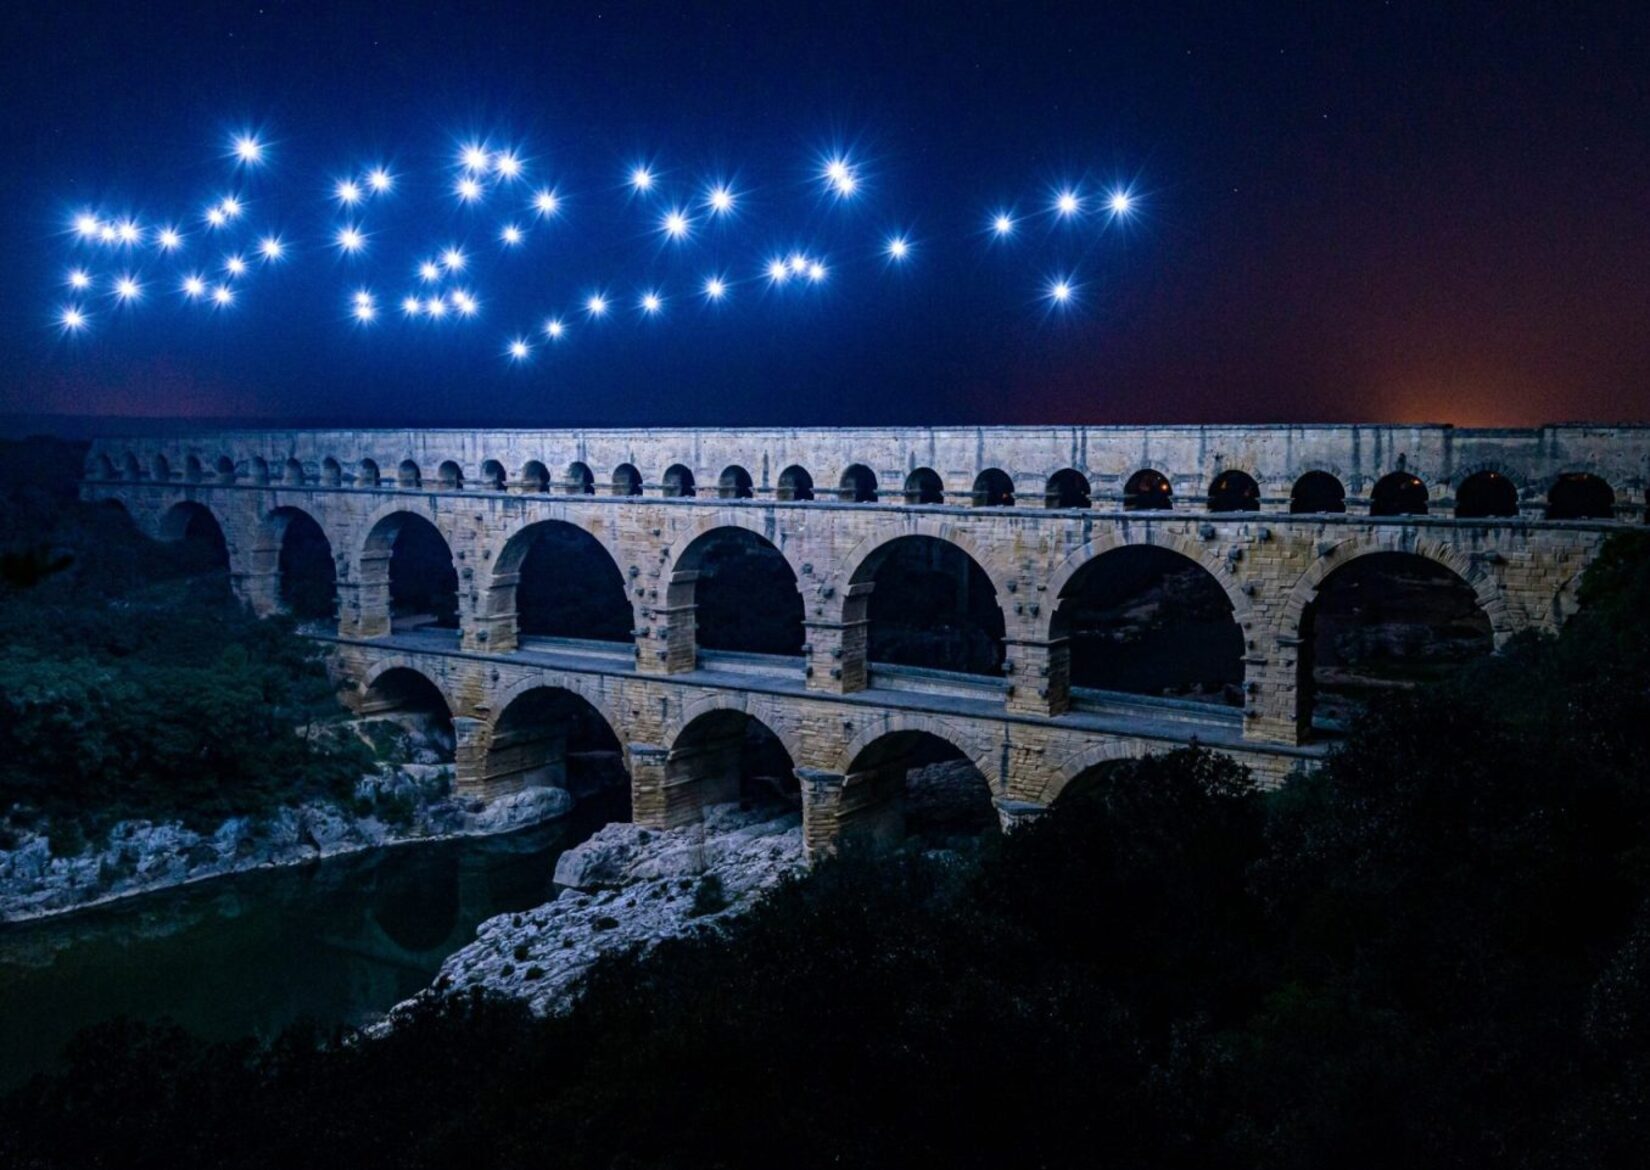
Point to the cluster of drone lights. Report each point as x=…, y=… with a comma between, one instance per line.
x=437, y=291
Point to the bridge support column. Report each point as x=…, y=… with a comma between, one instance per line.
x=670, y=788
x=472, y=738
x=1016, y=814
x=1042, y=676
x=1277, y=705
x=866, y=808
x=836, y=656
x=668, y=639
x=495, y=625
x=364, y=605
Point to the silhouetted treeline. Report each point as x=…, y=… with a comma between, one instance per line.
x=1433, y=952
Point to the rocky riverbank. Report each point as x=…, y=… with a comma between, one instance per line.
x=405, y=803
x=628, y=886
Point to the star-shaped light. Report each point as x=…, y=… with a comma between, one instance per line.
x=194, y=287
x=641, y=179
x=1067, y=203
x=361, y=297
x=380, y=180
x=216, y=216
x=351, y=240
x=553, y=328
x=519, y=350
x=778, y=271
x=465, y=303
x=72, y=319
x=841, y=176
x=474, y=157
x=716, y=288
x=511, y=235
x=128, y=231
x=897, y=248
x=468, y=189
x=453, y=260
x=436, y=307
x=675, y=224
x=816, y=272
x=249, y=150
x=87, y=225
x=719, y=200
x=411, y=305
x=168, y=239
x=234, y=265
x=507, y=165
x=546, y=202
x=128, y=289
x=429, y=270
x=79, y=278
x=799, y=263
x=223, y=296
x=364, y=307
x=231, y=207
x=107, y=233
x=271, y=248
x=596, y=305
x=1060, y=291
x=347, y=192
x=1120, y=202
x=651, y=303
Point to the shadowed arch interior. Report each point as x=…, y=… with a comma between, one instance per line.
x=859, y=484
x=1234, y=491
x=422, y=578
x=1068, y=488
x=1317, y=493
x=1148, y=491
x=1151, y=621
x=923, y=486
x=550, y=737
x=409, y=475
x=734, y=484
x=1577, y=495
x=535, y=476
x=1486, y=493
x=993, y=489
x=627, y=481
x=367, y=476
x=795, y=484
x=932, y=605
x=1382, y=622
x=450, y=476
x=914, y=783
x=568, y=584
x=403, y=697
x=309, y=574
x=679, y=482
x=580, y=480
x=200, y=547
x=492, y=475
x=1398, y=494
x=745, y=595
x=726, y=756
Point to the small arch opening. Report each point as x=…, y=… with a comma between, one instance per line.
x=859, y=484
x=535, y=476
x=1068, y=488
x=292, y=473
x=735, y=484
x=579, y=481
x=1148, y=491
x=193, y=471
x=1398, y=494
x=257, y=470
x=993, y=489
x=450, y=476
x=1234, y=491
x=795, y=484
x=627, y=481
x=409, y=476
x=1575, y=495
x=367, y=476
x=199, y=546
x=1484, y=494
x=678, y=482
x=492, y=475
x=924, y=486
x=332, y=475
x=226, y=469
x=160, y=469
x=105, y=468
x=1317, y=493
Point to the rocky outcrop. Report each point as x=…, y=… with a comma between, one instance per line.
x=628, y=886
x=409, y=802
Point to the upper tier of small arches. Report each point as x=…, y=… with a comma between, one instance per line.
x=1482, y=493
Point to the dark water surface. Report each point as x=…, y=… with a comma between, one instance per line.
x=339, y=941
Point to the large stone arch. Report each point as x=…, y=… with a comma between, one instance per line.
x=383, y=666
x=708, y=759
x=528, y=740
x=274, y=529
x=980, y=747
x=1125, y=536
x=1106, y=751
x=777, y=713
x=496, y=621
x=851, y=568
x=369, y=562
x=762, y=522
x=586, y=687
x=1491, y=597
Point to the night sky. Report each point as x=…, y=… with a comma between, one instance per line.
x=1401, y=211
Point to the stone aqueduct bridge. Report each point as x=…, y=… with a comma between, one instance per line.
x=1268, y=511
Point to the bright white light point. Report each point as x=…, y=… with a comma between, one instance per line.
x=465, y=303
x=715, y=288
x=1059, y=292
x=651, y=303
x=351, y=240
x=86, y=225
x=452, y=259
x=411, y=305
x=216, y=217
x=511, y=235
x=429, y=270
x=79, y=279
x=675, y=225
x=271, y=248
x=474, y=158
x=841, y=176
x=816, y=271
x=72, y=318
x=554, y=329
x=721, y=200
x=169, y=240
x=231, y=207
x=127, y=289
x=799, y=263
x=223, y=295
x=545, y=203
x=248, y=149
x=596, y=306
x=1121, y=202
x=379, y=179
x=363, y=298
x=519, y=349
x=348, y=192
x=777, y=272
x=898, y=248
x=1067, y=203
x=468, y=189
x=108, y=234
x=194, y=288
x=507, y=165
x=641, y=178
x=129, y=232
x=365, y=313
x=436, y=307
x=235, y=266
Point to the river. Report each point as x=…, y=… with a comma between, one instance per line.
x=339, y=941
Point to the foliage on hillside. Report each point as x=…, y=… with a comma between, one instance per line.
x=132, y=683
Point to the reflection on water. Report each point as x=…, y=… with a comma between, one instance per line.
x=339, y=942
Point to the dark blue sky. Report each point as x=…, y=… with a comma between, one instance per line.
x=1359, y=211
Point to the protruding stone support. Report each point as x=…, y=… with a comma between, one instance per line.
x=527, y=757
x=836, y=656
x=495, y=626
x=670, y=788
x=1041, y=676
x=1274, y=708
x=821, y=798
x=364, y=605
x=666, y=641
x=866, y=809
x=647, y=785
x=472, y=738
x=1016, y=814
